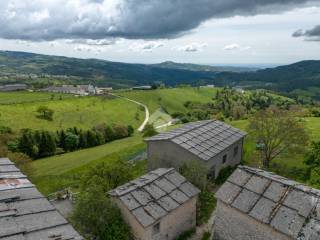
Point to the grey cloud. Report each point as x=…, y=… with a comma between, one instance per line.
x=310, y=35
x=39, y=20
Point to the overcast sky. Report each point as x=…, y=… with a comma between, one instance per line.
x=150, y=31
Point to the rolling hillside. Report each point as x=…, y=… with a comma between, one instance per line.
x=41, y=70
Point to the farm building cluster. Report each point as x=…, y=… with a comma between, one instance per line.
x=80, y=90
x=162, y=204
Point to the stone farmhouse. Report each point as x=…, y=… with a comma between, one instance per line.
x=212, y=142
x=25, y=214
x=13, y=87
x=82, y=90
x=258, y=205
x=159, y=205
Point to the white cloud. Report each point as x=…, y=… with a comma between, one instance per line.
x=192, y=47
x=236, y=47
x=146, y=46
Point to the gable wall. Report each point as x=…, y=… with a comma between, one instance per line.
x=171, y=226
x=164, y=153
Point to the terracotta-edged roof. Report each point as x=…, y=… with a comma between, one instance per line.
x=285, y=205
x=25, y=214
x=204, y=139
x=154, y=195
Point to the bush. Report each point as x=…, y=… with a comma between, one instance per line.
x=97, y=217
x=196, y=173
x=149, y=131
x=45, y=113
x=206, y=236
x=5, y=130
x=186, y=235
x=71, y=142
x=224, y=174
x=206, y=205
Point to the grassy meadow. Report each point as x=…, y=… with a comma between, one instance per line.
x=57, y=172
x=83, y=112
x=24, y=97
x=171, y=99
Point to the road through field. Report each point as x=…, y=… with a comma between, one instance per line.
x=142, y=126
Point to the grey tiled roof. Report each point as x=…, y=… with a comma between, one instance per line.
x=287, y=206
x=203, y=138
x=154, y=195
x=25, y=214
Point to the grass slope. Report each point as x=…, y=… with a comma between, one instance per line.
x=24, y=97
x=170, y=99
x=54, y=173
x=83, y=112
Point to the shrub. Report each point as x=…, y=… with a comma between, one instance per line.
x=206, y=236
x=224, y=174
x=186, y=235
x=45, y=113
x=196, y=173
x=97, y=217
x=149, y=131
x=71, y=142
x=206, y=205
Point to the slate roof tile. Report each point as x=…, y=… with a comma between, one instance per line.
x=197, y=137
x=245, y=200
x=24, y=213
x=285, y=205
x=151, y=200
x=228, y=192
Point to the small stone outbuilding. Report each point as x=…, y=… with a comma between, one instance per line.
x=212, y=142
x=259, y=205
x=159, y=205
x=25, y=214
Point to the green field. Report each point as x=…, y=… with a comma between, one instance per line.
x=57, y=172
x=170, y=99
x=83, y=112
x=24, y=97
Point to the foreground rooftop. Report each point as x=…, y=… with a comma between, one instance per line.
x=285, y=205
x=25, y=214
x=154, y=195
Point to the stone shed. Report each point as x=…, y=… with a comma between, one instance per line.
x=25, y=214
x=212, y=142
x=159, y=205
x=258, y=205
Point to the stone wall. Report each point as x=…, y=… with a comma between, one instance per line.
x=164, y=153
x=231, y=224
x=171, y=226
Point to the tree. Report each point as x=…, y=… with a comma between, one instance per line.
x=45, y=113
x=47, y=145
x=149, y=131
x=71, y=141
x=130, y=130
x=312, y=160
x=97, y=217
x=277, y=131
x=27, y=143
x=107, y=176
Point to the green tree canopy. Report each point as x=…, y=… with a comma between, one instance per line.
x=277, y=131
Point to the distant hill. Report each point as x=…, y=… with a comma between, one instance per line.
x=206, y=68
x=103, y=73
x=302, y=77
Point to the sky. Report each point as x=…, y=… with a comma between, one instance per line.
x=216, y=32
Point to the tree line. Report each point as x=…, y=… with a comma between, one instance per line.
x=40, y=143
